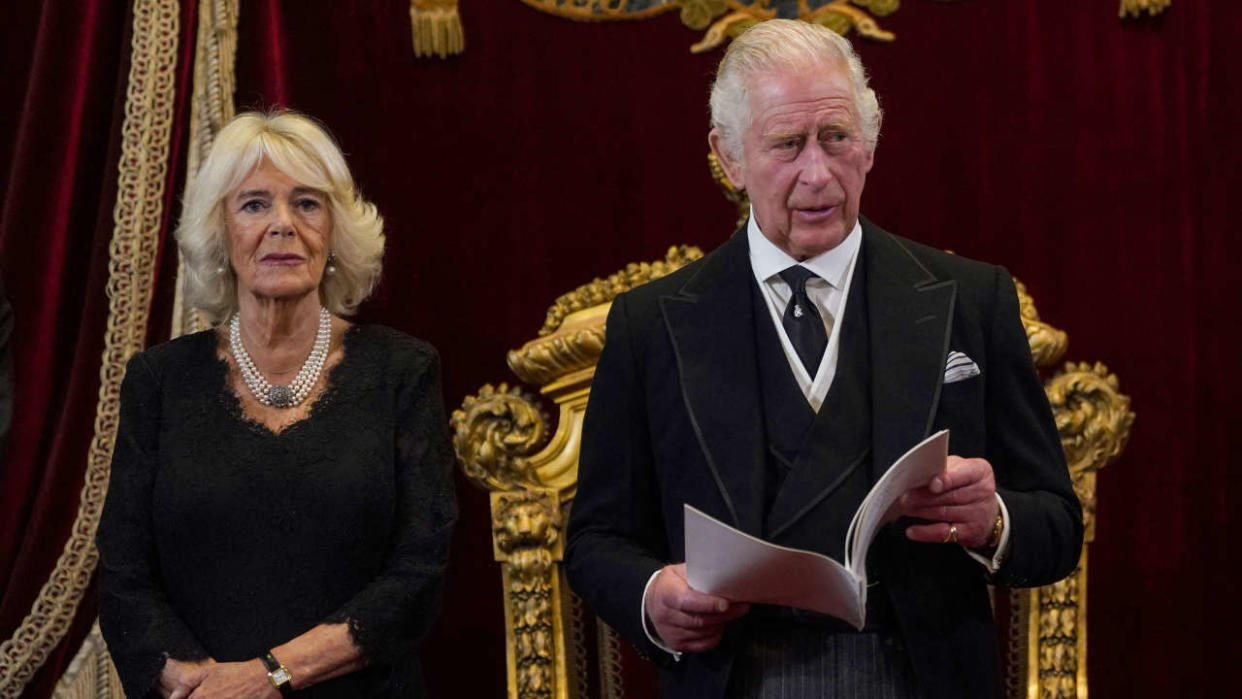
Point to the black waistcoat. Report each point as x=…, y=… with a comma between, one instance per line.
x=837, y=439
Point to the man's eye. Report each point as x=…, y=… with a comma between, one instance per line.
x=836, y=137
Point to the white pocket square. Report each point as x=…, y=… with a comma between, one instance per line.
x=959, y=367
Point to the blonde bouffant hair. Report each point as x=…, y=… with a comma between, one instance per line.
x=302, y=149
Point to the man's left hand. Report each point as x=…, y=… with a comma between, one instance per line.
x=962, y=497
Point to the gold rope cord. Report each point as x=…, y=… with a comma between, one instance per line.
x=215, y=81
x=137, y=214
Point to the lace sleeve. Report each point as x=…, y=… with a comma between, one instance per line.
x=389, y=616
x=138, y=622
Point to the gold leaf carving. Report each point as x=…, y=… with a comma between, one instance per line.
x=526, y=534
x=1136, y=8
x=604, y=290
x=545, y=359
x=494, y=432
x=1048, y=344
x=1094, y=420
x=879, y=8
x=697, y=14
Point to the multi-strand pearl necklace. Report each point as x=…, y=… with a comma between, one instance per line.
x=278, y=395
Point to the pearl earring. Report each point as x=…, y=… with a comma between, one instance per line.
x=331, y=268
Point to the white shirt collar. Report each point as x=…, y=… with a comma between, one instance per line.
x=767, y=260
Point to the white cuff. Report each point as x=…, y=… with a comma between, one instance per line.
x=1002, y=548
x=651, y=634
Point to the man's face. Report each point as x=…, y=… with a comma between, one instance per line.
x=804, y=159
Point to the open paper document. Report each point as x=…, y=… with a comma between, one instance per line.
x=721, y=560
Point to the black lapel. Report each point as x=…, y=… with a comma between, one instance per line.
x=711, y=324
x=911, y=316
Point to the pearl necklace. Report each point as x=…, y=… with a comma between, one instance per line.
x=278, y=395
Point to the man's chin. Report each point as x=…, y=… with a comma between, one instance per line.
x=811, y=241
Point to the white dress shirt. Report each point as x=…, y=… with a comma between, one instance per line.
x=829, y=293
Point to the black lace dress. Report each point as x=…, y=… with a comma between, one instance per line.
x=222, y=539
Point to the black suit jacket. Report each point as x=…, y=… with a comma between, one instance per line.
x=674, y=418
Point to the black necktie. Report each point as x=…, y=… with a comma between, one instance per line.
x=802, y=322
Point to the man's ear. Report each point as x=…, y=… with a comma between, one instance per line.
x=732, y=167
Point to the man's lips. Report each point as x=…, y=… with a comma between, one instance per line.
x=281, y=259
x=815, y=214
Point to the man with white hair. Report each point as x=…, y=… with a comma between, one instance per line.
x=771, y=383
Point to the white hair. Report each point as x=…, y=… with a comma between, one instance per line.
x=782, y=45
x=302, y=149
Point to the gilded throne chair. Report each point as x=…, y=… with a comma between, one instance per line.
x=557, y=649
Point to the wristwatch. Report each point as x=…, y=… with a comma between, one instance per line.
x=277, y=674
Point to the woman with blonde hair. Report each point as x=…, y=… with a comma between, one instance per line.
x=281, y=499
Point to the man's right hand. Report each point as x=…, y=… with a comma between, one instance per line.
x=686, y=620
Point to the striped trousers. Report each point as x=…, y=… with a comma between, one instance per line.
x=806, y=662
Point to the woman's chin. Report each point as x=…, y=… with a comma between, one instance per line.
x=282, y=291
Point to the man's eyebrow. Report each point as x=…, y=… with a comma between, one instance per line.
x=782, y=135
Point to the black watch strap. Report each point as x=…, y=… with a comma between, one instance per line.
x=278, y=674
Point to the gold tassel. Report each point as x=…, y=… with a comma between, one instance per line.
x=1135, y=8
x=437, y=28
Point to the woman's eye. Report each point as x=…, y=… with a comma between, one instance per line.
x=308, y=204
x=252, y=206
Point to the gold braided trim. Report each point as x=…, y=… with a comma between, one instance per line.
x=138, y=212
x=211, y=105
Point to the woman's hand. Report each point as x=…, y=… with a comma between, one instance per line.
x=180, y=677
x=248, y=679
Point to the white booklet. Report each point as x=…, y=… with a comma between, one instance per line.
x=724, y=561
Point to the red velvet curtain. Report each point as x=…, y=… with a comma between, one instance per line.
x=1093, y=157
x=62, y=97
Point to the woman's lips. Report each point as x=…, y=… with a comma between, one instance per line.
x=281, y=260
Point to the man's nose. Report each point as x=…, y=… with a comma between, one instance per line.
x=814, y=171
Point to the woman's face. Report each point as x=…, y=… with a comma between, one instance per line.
x=279, y=234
